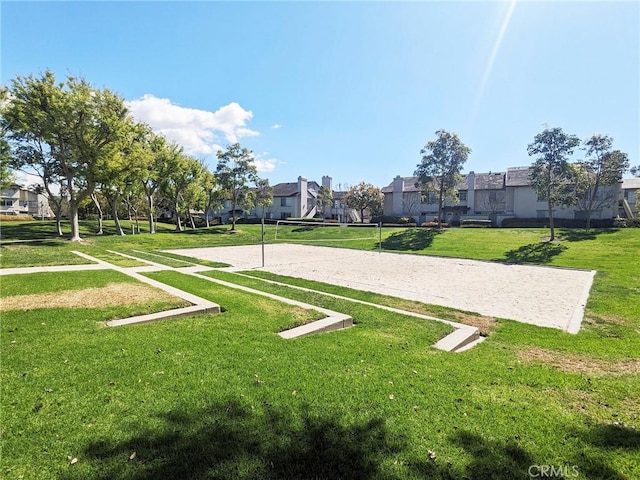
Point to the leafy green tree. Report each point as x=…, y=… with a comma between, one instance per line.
x=263, y=194
x=235, y=171
x=157, y=161
x=184, y=171
x=78, y=127
x=324, y=200
x=6, y=159
x=439, y=170
x=593, y=177
x=552, y=177
x=364, y=196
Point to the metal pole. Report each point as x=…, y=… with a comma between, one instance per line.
x=380, y=237
x=262, y=223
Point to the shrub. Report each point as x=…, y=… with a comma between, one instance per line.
x=15, y=218
x=389, y=220
x=620, y=222
x=476, y=223
x=435, y=225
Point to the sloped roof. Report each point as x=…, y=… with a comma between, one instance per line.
x=488, y=181
x=291, y=188
x=410, y=185
x=631, y=183
x=285, y=189
x=517, y=176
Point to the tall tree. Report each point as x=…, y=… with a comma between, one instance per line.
x=324, y=200
x=364, y=196
x=184, y=171
x=601, y=169
x=551, y=174
x=263, y=195
x=79, y=125
x=6, y=159
x=235, y=171
x=156, y=165
x=439, y=171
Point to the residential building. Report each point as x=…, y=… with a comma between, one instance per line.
x=493, y=195
x=630, y=191
x=17, y=200
x=297, y=200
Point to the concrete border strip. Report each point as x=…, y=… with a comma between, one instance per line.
x=199, y=305
x=333, y=321
x=575, y=322
x=462, y=336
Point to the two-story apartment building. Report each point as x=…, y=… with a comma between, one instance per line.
x=493, y=195
x=17, y=200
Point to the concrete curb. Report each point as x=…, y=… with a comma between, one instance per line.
x=199, y=305
x=461, y=337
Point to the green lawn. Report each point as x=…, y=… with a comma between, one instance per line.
x=223, y=396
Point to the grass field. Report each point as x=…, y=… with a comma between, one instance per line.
x=222, y=396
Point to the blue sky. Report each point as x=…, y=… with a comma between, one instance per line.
x=348, y=89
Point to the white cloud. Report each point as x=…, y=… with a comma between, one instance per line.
x=264, y=164
x=198, y=131
x=277, y=125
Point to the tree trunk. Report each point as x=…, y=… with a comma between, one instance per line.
x=193, y=225
x=552, y=235
x=59, y=223
x=206, y=217
x=94, y=197
x=178, y=221
x=114, y=213
x=152, y=227
x=75, y=224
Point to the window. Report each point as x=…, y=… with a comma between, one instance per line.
x=286, y=202
x=542, y=213
x=285, y=215
x=462, y=195
x=7, y=203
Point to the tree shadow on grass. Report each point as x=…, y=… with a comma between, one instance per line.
x=410, y=239
x=535, y=253
x=609, y=440
x=492, y=459
x=230, y=440
x=577, y=235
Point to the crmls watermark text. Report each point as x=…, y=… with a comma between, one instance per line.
x=553, y=471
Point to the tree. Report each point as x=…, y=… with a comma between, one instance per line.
x=156, y=164
x=601, y=168
x=364, y=196
x=235, y=170
x=263, y=195
x=324, y=200
x=551, y=174
x=183, y=171
x=439, y=171
x=6, y=159
x=76, y=127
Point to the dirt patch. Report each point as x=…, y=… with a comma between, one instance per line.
x=485, y=325
x=572, y=363
x=110, y=295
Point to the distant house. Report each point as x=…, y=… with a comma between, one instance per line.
x=493, y=195
x=297, y=200
x=17, y=200
x=629, y=197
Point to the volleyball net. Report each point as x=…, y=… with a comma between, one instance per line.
x=320, y=232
